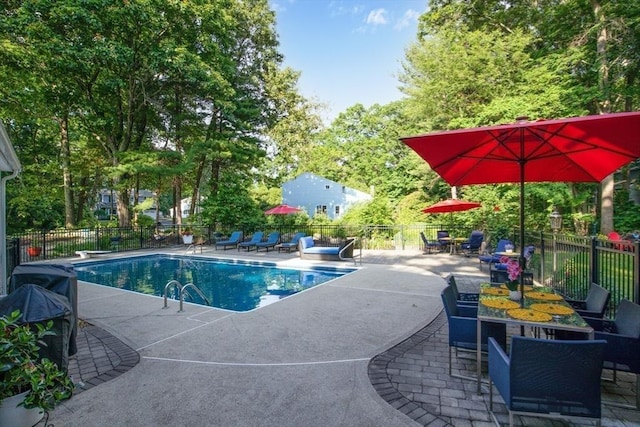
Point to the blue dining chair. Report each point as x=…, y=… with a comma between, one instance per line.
x=622, y=352
x=463, y=322
x=547, y=378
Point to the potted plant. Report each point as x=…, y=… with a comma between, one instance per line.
x=513, y=276
x=187, y=236
x=28, y=386
x=34, y=249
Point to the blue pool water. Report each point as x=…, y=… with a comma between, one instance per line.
x=231, y=285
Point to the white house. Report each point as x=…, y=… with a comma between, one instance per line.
x=106, y=201
x=185, y=207
x=316, y=194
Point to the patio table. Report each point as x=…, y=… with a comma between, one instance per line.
x=453, y=243
x=540, y=310
x=508, y=254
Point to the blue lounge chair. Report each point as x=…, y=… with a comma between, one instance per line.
x=429, y=246
x=473, y=244
x=293, y=244
x=493, y=258
x=271, y=242
x=308, y=250
x=233, y=240
x=255, y=239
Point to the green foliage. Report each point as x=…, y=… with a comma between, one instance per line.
x=21, y=369
x=133, y=95
x=627, y=216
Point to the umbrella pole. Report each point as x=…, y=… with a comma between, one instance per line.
x=522, y=263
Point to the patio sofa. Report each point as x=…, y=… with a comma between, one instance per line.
x=308, y=250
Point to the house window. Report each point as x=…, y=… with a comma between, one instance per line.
x=321, y=209
x=327, y=187
x=338, y=210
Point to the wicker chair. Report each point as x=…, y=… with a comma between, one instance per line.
x=594, y=305
x=548, y=378
x=463, y=328
x=623, y=343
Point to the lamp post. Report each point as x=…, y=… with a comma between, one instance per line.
x=556, y=225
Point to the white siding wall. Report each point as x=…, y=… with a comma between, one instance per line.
x=309, y=191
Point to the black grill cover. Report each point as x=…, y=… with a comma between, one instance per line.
x=39, y=305
x=59, y=278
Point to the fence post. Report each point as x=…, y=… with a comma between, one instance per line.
x=541, y=278
x=43, y=234
x=636, y=273
x=595, y=265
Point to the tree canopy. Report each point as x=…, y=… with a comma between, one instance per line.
x=191, y=99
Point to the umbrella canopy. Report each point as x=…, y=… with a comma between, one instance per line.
x=578, y=149
x=282, y=210
x=451, y=205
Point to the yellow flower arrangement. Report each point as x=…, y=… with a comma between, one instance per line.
x=544, y=296
x=528, y=314
x=500, y=303
x=552, y=308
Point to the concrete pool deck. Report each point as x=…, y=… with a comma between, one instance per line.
x=303, y=361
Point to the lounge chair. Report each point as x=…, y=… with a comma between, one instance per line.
x=308, y=250
x=492, y=258
x=233, y=240
x=271, y=242
x=293, y=244
x=255, y=239
x=429, y=246
x=473, y=244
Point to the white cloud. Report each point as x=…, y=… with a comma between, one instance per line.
x=377, y=17
x=407, y=19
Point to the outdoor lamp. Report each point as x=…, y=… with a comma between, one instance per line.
x=556, y=221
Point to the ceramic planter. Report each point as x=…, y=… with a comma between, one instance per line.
x=17, y=416
x=34, y=250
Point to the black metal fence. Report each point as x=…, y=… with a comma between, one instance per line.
x=568, y=263
x=571, y=263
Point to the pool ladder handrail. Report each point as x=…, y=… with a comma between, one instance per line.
x=181, y=292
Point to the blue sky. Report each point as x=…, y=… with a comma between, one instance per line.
x=348, y=51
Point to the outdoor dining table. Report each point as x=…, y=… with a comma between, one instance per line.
x=541, y=309
x=508, y=254
x=453, y=243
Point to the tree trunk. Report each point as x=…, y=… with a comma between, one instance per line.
x=606, y=186
x=196, y=186
x=123, y=208
x=606, y=206
x=65, y=160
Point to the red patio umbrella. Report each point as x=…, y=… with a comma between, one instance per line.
x=282, y=210
x=451, y=205
x=578, y=149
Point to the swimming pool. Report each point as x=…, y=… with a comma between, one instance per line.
x=227, y=284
